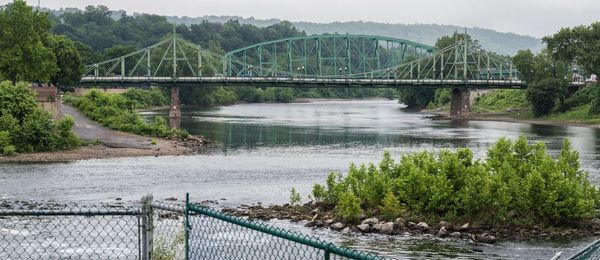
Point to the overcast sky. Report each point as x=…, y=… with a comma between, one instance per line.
x=531, y=17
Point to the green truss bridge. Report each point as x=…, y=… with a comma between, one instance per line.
x=310, y=62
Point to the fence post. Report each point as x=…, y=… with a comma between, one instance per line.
x=147, y=227
x=186, y=226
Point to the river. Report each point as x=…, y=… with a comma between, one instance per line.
x=263, y=150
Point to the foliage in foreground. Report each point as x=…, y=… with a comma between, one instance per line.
x=117, y=111
x=26, y=128
x=517, y=183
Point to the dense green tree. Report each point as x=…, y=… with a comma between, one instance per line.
x=524, y=62
x=23, y=39
x=580, y=44
x=70, y=65
x=27, y=127
x=547, y=78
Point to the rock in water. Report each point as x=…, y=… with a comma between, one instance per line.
x=337, y=226
x=399, y=223
x=370, y=221
x=422, y=226
x=363, y=228
x=486, y=238
x=387, y=228
x=463, y=227
x=442, y=232
x=376, y=227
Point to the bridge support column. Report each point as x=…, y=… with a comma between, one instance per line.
x=460, y=106
x=175, y=109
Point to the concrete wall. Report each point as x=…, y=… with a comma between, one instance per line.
x=477, y=93
x=47, y=99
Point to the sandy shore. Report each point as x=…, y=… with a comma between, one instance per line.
x=163, y=147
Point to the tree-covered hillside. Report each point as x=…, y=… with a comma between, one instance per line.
x=502, y=43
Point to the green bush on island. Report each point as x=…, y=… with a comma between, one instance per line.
x=517, y=183
x=26, y=128
x=117, y=111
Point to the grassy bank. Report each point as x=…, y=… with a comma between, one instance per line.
x=118, y=111
x=575, y=108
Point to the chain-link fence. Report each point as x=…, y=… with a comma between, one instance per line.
x=150, y=230
x=591, y=251
x=69, y=231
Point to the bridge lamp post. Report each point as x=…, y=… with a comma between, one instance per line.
x=343, y=70
x=298, y=70
x=249, y=68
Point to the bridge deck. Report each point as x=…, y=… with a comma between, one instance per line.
x=301, y=82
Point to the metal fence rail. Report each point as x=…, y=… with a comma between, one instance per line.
x=152, y=230
x=213, y=234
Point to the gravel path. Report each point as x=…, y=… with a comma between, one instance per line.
x=89, y=130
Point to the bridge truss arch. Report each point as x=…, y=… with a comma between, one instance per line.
x=322, y=56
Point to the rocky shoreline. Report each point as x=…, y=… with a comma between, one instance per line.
x=318, y=216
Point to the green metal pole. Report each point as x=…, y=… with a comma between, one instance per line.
x=376, y=46
x=305, y=58
x=187, y=226
x=465, y=57
x=455, y=61
x=335, y=70
x=260, y=59
x=348, y=64
x=122, y=67
x=149, y=69
x=319, y=58
x=289, y=56
x=174, y=53
x=199, y=64
x=274, y=56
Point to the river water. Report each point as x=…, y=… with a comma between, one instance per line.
x=263, y=150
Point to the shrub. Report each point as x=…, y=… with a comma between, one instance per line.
x=9, y=150
x=390, y=208
x=348, y=208
x=319, y=193
x=295, y=197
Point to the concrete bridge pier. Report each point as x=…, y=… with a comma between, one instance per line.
x=460, y=106
x=175, y=109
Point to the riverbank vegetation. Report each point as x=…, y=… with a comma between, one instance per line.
x=118, y=111
x=26, y=128
x=515, y=184
x=571, y=55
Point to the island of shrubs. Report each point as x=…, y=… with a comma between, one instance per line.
x=118, y=111
x=516, y=184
